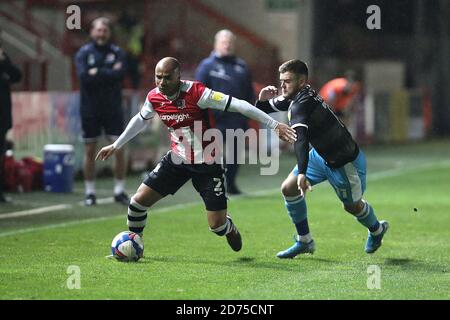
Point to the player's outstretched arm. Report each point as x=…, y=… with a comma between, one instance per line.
x=283, y=131
x=136, y=125
x=219, y=101
x=105, y=153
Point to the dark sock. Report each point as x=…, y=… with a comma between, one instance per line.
x=302, y=227
x=374, y=227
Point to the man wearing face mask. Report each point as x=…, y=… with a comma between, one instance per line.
x=9, y=73
x=101, y=68
x=224, y=72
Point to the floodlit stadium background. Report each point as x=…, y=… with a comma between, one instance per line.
x=402, y=66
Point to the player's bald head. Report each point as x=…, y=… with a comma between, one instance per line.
x=225, y=33
x=224, y=43
x=168, y=65
x=167, y=76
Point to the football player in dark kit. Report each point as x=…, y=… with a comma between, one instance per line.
x=334, y=156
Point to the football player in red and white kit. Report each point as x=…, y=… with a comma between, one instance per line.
x=183, y=105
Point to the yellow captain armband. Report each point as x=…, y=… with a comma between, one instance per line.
x=217, y=96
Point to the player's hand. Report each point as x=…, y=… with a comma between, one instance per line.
x=93, y=71
x=105, y=153
x=117, y=66
x=303, y=184
x=286, y=133
x=267, y=93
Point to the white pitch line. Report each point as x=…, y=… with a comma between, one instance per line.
x=98, y=219
x=35, y=211
x=42, y=210
x=372, y=177
x=399, y=171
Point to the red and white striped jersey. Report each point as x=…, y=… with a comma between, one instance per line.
x=187, y=117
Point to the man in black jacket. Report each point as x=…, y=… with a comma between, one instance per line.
x=101, y=67
x=9, y=73
x=223, y=71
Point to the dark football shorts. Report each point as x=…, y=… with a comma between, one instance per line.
x=207, y=179
x=111, y=123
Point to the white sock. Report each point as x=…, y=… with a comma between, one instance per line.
x=306, y=238
x=89, y=187
x=119, y=186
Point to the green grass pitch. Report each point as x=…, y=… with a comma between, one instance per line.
x=183, y=260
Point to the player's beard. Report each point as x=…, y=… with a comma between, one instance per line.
x=293, y=93
x=101, y=41
x=288, y=95
x=172, y=91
